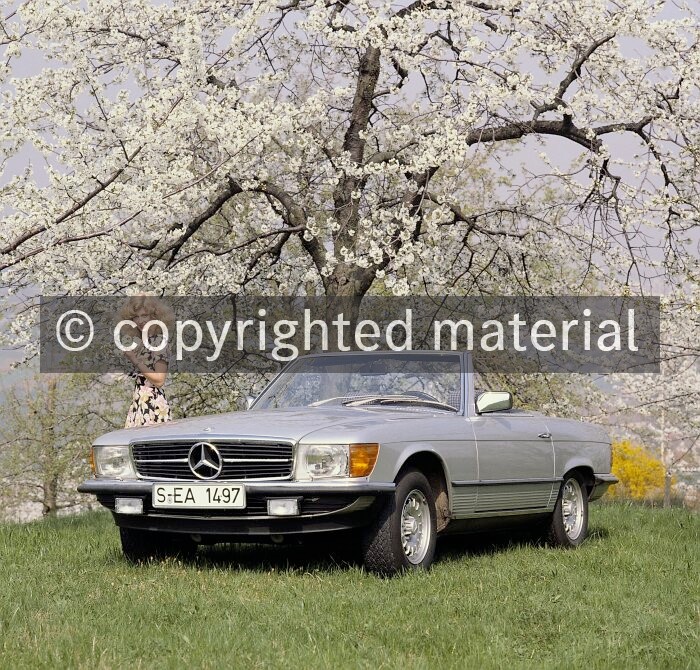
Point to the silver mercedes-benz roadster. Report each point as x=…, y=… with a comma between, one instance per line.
x=390, y=449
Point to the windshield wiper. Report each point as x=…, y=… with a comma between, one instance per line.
x=398, y=400
x=343, y=398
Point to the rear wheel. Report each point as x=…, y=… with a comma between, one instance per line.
x=139, y=546
x=569, y=523
x=403, y=536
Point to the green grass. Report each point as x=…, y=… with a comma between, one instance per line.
x=628, y=598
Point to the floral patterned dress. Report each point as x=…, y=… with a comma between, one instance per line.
x=148, y=404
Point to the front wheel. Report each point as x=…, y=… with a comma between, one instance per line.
x=569, y=523
x=403, y=536
x=139, y=546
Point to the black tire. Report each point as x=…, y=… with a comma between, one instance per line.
x=140, y=546
x=563, y=530
x=382, y=542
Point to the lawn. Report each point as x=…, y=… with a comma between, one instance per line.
x=628, y=598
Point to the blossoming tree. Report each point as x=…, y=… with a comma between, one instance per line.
x=198, y=146
x=343, y=147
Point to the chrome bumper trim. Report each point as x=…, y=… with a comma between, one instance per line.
x=143, y=487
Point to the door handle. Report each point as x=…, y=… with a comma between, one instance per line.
x=545, y=436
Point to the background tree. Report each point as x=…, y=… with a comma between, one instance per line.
x=200, y=146
x=663, y=410
x=47, y=427
x=341, y=148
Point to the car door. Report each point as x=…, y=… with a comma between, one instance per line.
x=515, y=457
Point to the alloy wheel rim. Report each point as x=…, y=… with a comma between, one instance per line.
x=572, y=509
x=415, y=526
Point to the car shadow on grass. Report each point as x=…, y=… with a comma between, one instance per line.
x=252, y=558
x=335, y=553
x=310, y=556
x=454, y=547
x=342, y=552
x=597, y=533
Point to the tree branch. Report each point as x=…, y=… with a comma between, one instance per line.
x=573, y=74
x=231, y=189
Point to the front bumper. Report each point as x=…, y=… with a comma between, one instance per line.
x=324, y=506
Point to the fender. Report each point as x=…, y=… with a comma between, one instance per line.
x=424, y=448
x=576, y=462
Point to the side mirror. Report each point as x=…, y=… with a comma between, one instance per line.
x=493, y=401
x=249, y=400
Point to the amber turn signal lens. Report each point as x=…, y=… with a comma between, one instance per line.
x=92, y=461
x=362, y=459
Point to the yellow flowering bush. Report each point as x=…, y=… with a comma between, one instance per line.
x=641, y=474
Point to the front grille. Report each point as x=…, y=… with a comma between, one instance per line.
x=242, y=460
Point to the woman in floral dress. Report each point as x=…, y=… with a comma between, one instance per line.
x=150, y=368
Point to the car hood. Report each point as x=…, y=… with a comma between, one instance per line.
x=287, y=424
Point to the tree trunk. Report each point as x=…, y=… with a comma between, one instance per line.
x=50, y=499
x=50, y=487
x=667, y=489
x=345, y=288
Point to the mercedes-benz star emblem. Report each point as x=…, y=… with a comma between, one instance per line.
x=205, y=460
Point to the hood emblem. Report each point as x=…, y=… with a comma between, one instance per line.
x=207, y=429
x=205, y=461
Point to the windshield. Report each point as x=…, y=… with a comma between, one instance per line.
x=411, y=379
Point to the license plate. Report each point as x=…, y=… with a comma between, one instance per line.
x=198, y=496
